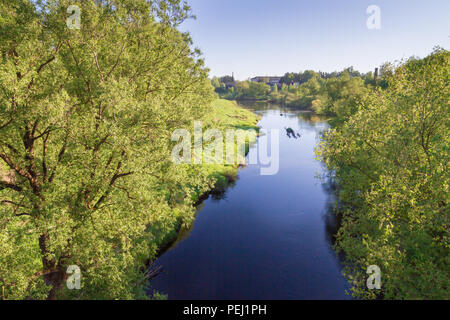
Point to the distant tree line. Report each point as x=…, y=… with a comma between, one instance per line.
x=325, y=93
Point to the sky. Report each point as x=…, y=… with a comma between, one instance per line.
x=272, y=37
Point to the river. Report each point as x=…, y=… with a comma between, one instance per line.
x=267, y=237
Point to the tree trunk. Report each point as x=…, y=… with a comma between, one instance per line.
x=55, y=274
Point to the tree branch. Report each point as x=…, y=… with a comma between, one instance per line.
x=7, y=185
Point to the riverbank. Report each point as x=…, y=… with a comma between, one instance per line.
x=225, y=115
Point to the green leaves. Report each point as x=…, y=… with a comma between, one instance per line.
x=85, y=123
x=393, y=152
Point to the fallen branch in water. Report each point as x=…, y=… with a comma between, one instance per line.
x=152, y=272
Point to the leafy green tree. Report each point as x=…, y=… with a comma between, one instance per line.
x=85, y=123
x=226, y=79
x=215, y=82
x=390, y=159
x=307, y=75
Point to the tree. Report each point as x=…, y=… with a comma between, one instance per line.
x=85, y=123
x=390, y=159
x=226, y=79
x=215, y=82
x=306, y=76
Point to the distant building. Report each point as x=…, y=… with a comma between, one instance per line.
x=271, y=81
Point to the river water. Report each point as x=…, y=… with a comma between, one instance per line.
x=267, y=237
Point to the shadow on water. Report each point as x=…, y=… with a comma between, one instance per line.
x=215, y=195
x=330, y=217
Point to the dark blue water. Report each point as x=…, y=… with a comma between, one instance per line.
x=268, y=238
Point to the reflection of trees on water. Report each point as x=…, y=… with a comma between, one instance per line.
x=221, y=194
x=312, y=122
x=306, y=119
x=312, y=117
x=217, y=194
x=333, y=213
x=258, y=105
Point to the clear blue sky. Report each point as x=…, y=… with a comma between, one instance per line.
x=272, y=37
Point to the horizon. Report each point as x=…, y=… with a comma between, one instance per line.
x=321, y=36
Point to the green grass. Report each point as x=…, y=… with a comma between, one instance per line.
x=228, y=115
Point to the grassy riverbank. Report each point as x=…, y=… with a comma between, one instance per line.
x=224, y=115
x=228, y=115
